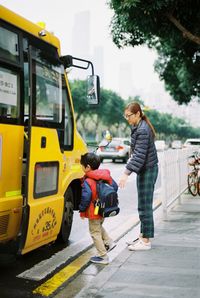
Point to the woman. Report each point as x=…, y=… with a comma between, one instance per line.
x=144, y=162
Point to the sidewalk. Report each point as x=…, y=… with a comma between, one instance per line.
x=170, y=269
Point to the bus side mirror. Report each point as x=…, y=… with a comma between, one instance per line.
x=93, y=81
x=93, y=89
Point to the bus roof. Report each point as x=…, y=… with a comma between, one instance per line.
x=27, y=26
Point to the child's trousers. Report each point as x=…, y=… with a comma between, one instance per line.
x=99, y=236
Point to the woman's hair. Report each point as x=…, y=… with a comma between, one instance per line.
x=134, y=107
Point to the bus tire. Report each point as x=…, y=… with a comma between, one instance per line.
x=67, y=218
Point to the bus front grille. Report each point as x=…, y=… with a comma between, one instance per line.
x=4, y=224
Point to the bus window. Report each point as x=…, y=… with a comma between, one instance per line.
x=9, y=93
x=46, y=179
x=68, y=133
x=9, y=48
x=48, y=89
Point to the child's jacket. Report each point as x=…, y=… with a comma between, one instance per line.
x=89, y=192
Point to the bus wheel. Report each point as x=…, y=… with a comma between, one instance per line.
x=67, y=216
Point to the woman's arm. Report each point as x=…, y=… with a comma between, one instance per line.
x=138, y=157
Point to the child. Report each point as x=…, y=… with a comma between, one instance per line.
x=90, y=163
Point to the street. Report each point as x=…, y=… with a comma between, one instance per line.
x=70, y=76
x=22, y=275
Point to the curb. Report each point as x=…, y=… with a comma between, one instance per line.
x=104, y=275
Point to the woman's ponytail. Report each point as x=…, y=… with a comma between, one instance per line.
x=145, y=118
x=134, y=107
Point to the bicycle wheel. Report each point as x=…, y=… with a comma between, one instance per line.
x=193, y=183
x=198, y=186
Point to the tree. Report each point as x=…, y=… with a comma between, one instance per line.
x=171, y=127
x=78, y=91
x=92, y=120
x=172, y=28
x=107, y=113
x=113, y=107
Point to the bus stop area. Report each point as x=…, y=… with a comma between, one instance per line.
x=169, y=269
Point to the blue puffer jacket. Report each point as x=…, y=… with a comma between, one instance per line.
x=143, y=150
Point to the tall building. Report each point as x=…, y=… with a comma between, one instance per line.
x=81, y=43
x=125, y=80
x=98, y=61
x=81, y=35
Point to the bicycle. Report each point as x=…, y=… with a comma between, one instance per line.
x=193, y=178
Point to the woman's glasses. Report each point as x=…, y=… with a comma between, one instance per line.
x=127, y=116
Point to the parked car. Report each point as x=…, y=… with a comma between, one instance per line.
x=192, y=143
x=160, y=145
x=118, y=148
x=176, y=144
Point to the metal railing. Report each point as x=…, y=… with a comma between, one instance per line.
x=174, y=169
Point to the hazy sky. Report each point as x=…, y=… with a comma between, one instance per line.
x=59, y=17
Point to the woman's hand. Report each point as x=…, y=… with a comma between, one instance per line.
x=123, y=180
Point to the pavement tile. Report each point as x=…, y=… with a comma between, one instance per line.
x=170, y=269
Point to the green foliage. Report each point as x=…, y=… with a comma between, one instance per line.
x=93, y=120
x=172, y=28
x=108, y=113
x=171, y=127
x=78, y=90
x=113, y=107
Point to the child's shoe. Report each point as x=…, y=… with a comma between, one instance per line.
x=140, y=245
x=100, y=260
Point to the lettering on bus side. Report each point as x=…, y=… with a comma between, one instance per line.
x=44, y=224
x=8, y=88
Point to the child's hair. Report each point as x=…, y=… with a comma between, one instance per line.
x=134, y=107
x=90, y=159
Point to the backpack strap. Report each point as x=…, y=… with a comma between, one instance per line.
x=93, y=185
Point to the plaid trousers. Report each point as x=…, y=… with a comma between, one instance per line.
x=145, y=187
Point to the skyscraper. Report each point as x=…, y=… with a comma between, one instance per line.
x=81, y=35
x=125, y=80
x=98, y=60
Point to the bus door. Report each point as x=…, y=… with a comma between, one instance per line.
x=11, y=134
x=44, y=134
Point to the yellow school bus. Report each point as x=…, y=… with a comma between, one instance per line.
x=40, y=147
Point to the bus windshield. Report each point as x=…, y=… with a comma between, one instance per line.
x=48, y=82
x=47, y=78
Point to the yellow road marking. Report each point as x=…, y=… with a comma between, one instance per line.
x=52, y=284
